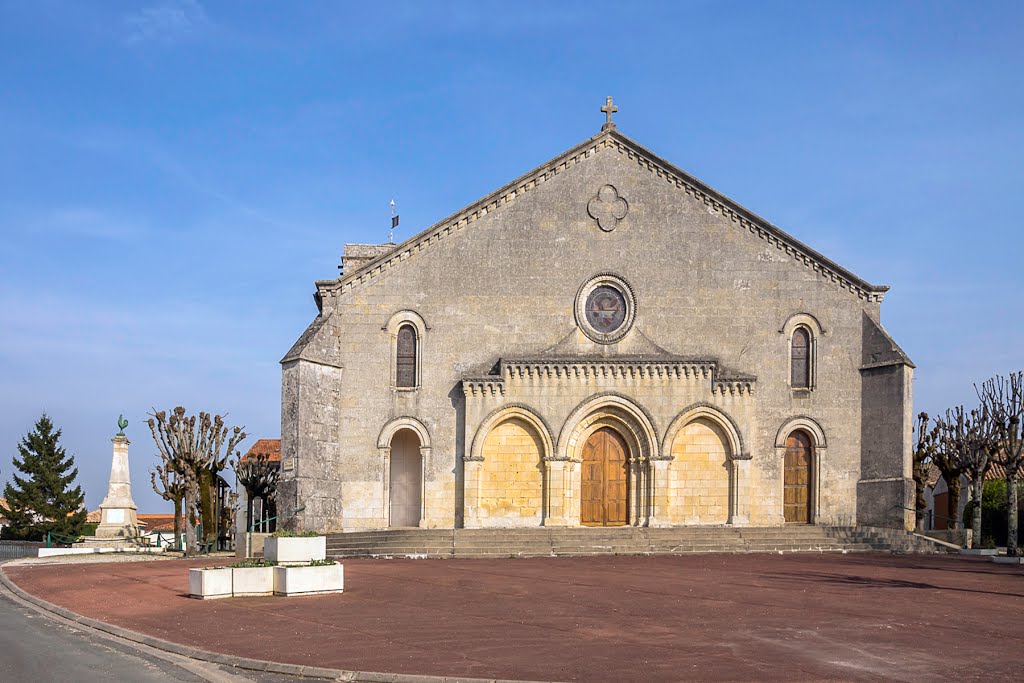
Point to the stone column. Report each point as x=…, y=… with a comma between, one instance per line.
x=385, y=457
x=634, y=471
x=660, y=492
x=424, y=467
x=739, y=492
x=555, y=505
x=571, y=493
x=471, y=497
x=118, y=512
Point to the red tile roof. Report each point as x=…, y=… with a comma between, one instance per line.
x=270, y=447
x=996, y=472
x=158, y=522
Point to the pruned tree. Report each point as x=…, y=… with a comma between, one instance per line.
x=209, y=479
x=952, y=469
x=169, y=476
x=967, y=438
x=1003, y=397
x=196, y=445
x=924, y=453
x=258, y=476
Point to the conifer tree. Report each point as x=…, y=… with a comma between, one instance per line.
x=41, y=500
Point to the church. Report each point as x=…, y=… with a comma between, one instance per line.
x=605, y=341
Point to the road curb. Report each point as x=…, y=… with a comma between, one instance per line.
x=245, y=663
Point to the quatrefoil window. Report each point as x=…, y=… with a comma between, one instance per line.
x=607, y=208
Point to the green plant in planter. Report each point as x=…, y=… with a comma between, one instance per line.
x=252, y=563
x=294, y=534
x=321, y=563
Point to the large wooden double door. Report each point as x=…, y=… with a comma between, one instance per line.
x=605, y=487
x=796, y=502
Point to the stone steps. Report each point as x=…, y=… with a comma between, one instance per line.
x=545, y=542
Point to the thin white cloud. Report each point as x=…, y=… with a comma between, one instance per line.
x=166, y=22
x=78, y=221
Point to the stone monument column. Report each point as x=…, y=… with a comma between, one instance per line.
x=118, y=512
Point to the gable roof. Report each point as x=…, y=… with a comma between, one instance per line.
x=741, y=217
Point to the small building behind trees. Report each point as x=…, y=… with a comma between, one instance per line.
x=257, y=473
x=939, y=517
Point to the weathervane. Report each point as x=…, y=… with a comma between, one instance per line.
x=122, y=423
x=608, y=110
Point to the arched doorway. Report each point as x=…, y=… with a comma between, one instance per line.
x=405, y=490
x=604, y=494
x=797, y=481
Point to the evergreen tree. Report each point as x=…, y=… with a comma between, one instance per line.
x=41, y=500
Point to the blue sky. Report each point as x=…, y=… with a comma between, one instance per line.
x=175, y=174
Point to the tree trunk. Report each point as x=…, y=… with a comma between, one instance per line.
x=1011, y=512
x=920, y=504
x=206, y=505
x=978, y=486
x=954, y=502
x=191, y=493
x=177, y=523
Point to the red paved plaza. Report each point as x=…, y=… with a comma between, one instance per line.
x=704, y=617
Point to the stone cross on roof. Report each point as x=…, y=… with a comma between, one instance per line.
x=608, y=110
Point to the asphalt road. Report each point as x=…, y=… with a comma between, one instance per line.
x=40, y=649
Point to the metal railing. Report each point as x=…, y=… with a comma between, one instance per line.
x=260, y=523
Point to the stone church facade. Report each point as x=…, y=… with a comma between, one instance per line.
x=604, y=341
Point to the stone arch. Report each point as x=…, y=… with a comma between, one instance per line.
x=406, y=318
x=510, y=455
x=805, y=423
x=405, y=422
x=509, y=412
x=393, y=428
x=702, y=481
x=809, y=427
x=802, y=320
x=734, y=440
x=635, y=426
x=614, y=410
x=808, y=327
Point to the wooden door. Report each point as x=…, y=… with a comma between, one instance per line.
x=405, y=486
x=605, y=480
x=797, y=479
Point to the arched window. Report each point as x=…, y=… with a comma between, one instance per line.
x=800, y=359
x=405, y=358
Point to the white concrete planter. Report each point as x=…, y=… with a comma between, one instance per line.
x=295, y=549
x=250, y=581
x=309, y=580
x=207, y=584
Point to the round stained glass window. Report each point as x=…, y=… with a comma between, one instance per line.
x=606, y=309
